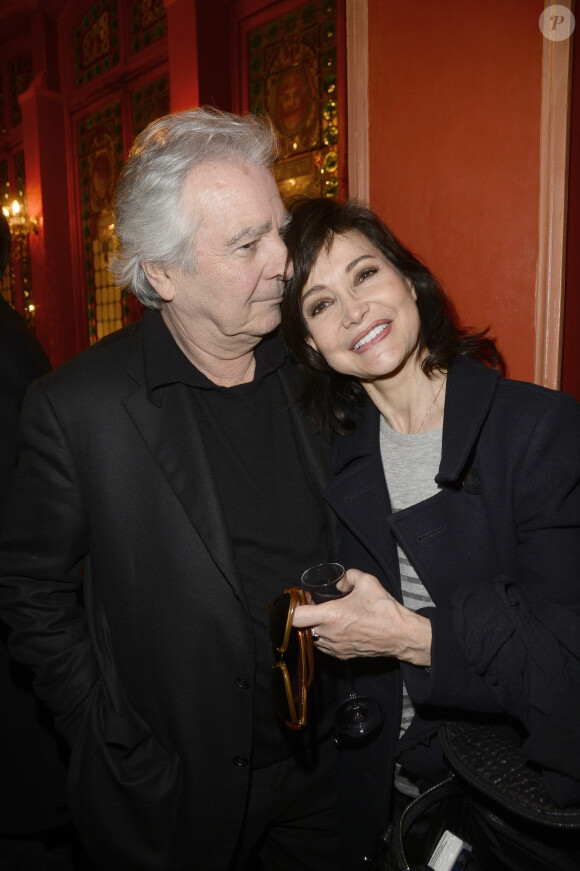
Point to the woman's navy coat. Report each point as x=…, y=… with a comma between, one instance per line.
x=498, y=549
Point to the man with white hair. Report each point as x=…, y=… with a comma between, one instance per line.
x=168, y=471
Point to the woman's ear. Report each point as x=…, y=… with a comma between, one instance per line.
x=160, y=280
x=310, y=341
x=413, y=291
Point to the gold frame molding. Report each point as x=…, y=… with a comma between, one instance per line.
x=553, y=207
x=357, y=75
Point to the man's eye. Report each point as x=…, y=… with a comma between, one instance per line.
x=249, y=245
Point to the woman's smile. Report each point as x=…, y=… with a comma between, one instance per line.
x=374, y=334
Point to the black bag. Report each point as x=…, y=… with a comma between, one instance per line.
x=494, y=801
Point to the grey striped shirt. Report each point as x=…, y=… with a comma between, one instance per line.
x=410, y=463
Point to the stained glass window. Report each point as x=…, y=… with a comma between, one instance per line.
x=20, y=79
x=7, y=284
x=4, y=184
x=150, y=102
x=292, y=77
x=101, y=134
x=22, y=246
x=96, y=42
x=15, y=285
x=2, y=118
x=148, y=23
x=99, y=138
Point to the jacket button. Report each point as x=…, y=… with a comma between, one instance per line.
x=242, y=683
x=240, y=760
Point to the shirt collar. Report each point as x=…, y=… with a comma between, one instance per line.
x=165, y=362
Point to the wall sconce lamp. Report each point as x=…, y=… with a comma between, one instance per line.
x=21, y=225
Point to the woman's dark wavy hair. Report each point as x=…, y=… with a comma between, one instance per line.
x=330, y=397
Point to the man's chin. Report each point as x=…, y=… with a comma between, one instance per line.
x=270, y=321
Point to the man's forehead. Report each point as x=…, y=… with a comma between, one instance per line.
x=240, y=198
x=217, y=174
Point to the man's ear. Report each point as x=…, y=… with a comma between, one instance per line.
x=160, y=280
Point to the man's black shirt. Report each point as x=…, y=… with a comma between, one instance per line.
x=276, y=522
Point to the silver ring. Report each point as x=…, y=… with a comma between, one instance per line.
x=315, y=637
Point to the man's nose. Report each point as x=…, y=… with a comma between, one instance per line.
x=280, y=262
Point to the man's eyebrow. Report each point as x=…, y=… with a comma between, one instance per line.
x=249, y=233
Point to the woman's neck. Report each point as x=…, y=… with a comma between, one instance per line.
x=410, y=402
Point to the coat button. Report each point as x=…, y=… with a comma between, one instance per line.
x=242, y=683
x=471, y=482
x=240, y=760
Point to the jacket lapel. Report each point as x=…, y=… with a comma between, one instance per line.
x=314, y=451
x=172, y=436
x=359, y=495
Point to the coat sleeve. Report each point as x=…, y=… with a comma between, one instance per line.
x=520, y=635
x=44, y=540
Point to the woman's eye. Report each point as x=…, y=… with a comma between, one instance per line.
x=366, y=273
x=317, y=308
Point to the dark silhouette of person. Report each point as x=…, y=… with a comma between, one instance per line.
x=35, y=829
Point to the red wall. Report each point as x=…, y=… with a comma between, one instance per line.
x=454, y=107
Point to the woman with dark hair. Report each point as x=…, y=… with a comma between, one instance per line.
x=458, y=493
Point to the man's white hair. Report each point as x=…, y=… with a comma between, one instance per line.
x=151, y=223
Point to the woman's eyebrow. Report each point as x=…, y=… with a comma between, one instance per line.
x=348, y=268
x=313, y=289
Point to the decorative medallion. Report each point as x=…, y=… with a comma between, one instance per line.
x=292, y=77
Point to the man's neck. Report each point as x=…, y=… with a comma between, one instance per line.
x=222, y=367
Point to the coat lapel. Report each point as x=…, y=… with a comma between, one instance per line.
x=314, y=451
x=359, y=494
x=470, y=386
x=172, y=436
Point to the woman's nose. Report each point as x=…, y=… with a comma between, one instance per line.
x=353, y=310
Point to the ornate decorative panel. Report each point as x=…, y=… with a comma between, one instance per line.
x=22, y=246
x=149, y=102
x=96, y=42
x=20, y=79
x=4, y=184
x=292, y=76
x=8, y=285
x=148, y=23
x=99, y=138
x=16, y=286
x=7, y=282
